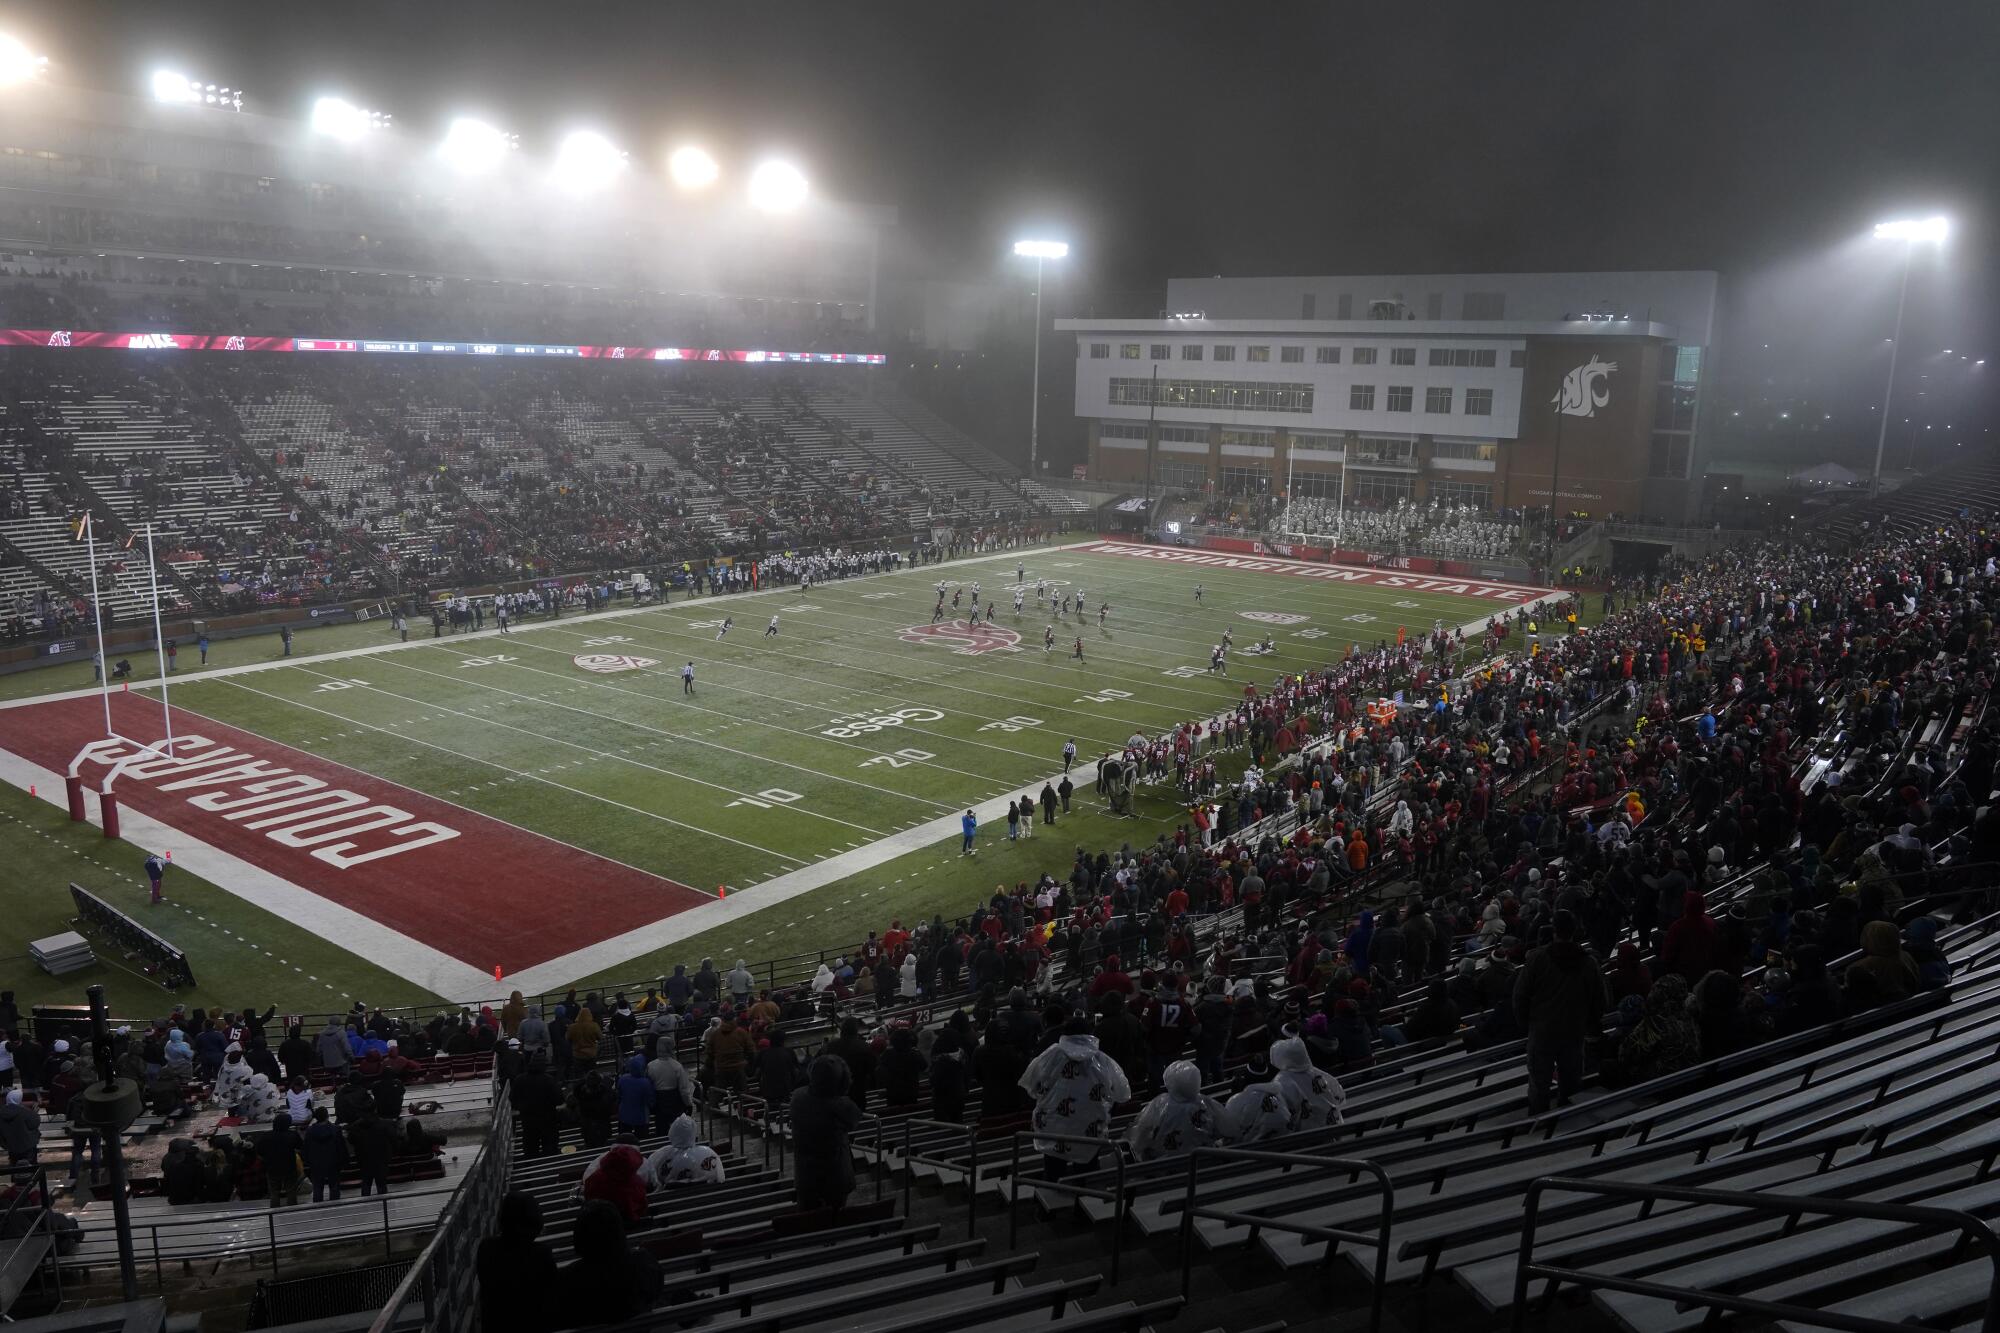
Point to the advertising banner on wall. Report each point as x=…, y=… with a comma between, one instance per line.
x=240, y=342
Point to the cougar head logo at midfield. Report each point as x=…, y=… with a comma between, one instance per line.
x=961, y=637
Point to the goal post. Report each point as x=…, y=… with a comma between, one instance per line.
x=116, y=746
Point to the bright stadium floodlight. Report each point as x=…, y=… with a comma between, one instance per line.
x=473, y=147
x=1042, y=249
x=178, y=89
x=1911, y=232
x=341, y=119
x=692, y=168
x=17, y=63
x=777, y=187
x=1933, y=229
x=587, y=162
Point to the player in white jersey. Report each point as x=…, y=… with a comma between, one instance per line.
x=1103, y=610
x=1020, y=571
x=1020, y=596
x=771, y=630
x=1197, y=594
x=727, y=622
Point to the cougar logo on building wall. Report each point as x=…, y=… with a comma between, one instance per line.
x=1583, y=390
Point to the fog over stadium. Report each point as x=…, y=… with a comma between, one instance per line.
x=973, y=668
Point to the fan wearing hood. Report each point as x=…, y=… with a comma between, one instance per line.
x=1884, y=973
x=180, y=1057
x=635, y=1094
x=823, y=1116
x=615, y=1179
x=683, y=1161
x=1560, y=999
x=1314, y=1096
x=534, y=1033
x=1179, y=1120
x=20, y=1130
x=233, y=1077
x=1074, y=1085
x=258, y=1102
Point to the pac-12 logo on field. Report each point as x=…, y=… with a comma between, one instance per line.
x=961, y=637
x=607, y=664
x=1272, y=617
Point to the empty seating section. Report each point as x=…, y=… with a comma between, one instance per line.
x=301, y=482
x=951, y=484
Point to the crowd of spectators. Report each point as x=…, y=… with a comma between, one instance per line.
x=1619, y=839
x=311, y=1110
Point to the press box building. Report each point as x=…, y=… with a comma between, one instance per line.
x=1499, y=390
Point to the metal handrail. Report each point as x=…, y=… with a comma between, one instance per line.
x=1123, y=1201
x=971, y=1166
x=496, y=1157
x=1791, y=1206
x=1331, y=1235
x=35, y=1186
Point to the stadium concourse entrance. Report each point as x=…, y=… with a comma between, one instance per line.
x=1637, y=557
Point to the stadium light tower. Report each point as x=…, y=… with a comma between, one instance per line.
x=587, y=162
x=1037, y=251
x=1911, y=232
x=178, y=89
x=692, y=168
x=17, y=63
x=777, y=187
x=473, y=147
x=341, y=119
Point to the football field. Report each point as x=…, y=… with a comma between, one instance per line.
x=555, y=802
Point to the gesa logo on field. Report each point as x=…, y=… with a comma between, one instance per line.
x=961, y=637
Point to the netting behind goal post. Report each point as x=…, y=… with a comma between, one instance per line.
x=116, y=747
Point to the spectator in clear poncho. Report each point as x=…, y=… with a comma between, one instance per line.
x=1074, y=1085
x=683, y=1160
x=1178, y=1120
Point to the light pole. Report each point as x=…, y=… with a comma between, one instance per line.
x=1037, y=251
x=1909, y=231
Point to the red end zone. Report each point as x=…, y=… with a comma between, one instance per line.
x=1410, y=580
x=471, y=887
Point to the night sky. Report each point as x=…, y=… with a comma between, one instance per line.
x=1171, y=138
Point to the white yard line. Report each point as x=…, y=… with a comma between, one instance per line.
x=519, y=773
x=593, y=959
x=611, y=756
x=583, y=618
x=675, y=735
x=388, y=948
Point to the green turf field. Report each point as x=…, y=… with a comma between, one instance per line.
x=826, y=739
